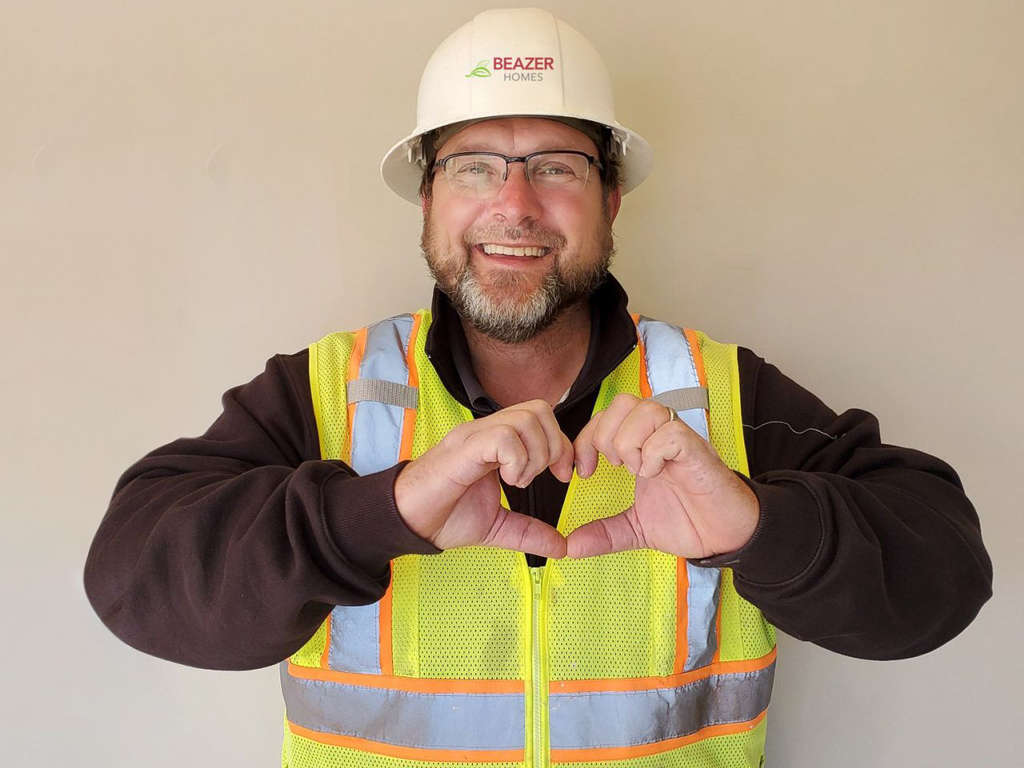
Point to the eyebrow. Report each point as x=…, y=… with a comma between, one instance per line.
x=473, y=147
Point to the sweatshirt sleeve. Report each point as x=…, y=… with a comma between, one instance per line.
x=867, y=549
x=228, y=550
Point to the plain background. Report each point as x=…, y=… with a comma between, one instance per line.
x=188, y=188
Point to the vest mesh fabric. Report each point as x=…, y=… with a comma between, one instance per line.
x=466, y=614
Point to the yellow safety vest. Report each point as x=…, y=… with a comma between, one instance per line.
x=471, y=657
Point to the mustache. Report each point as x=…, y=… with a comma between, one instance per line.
x=512, y=235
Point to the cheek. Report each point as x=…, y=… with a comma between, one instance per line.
x=453, y=225
x=580, y=225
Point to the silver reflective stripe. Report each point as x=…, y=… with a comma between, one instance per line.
x=684, y=399
x=670, y=366
x=672, y=374
x=389, y=392
x=355, y=639
x=701, y=609
x=631, y=718
x=452, y=721
x=383, y=395
x=377, y=427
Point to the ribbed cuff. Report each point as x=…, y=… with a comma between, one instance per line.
x=362, y=519
x=786, y=540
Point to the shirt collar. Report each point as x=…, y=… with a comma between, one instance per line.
x=612, y=338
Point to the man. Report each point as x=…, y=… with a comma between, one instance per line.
x=360, y=511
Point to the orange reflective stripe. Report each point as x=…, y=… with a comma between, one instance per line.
x=408, y=684
x=411, y=753
x=354, y=361
x=682, y=619
x=409, y=422
x=669, y=681
x=410, y=352
x=698, y=358
x=645, y=385
x=644, y=750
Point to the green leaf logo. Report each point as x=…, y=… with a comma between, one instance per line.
x=480, y=70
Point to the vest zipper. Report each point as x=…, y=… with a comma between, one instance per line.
x=539, y=680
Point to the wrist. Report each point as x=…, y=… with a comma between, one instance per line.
x=787, y=538
x=363, y=521
x=404, y=499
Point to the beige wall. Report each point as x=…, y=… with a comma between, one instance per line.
x=187, y=188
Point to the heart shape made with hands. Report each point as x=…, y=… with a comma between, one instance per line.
x=687, y=502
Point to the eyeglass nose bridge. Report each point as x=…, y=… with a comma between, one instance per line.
x=508, y=169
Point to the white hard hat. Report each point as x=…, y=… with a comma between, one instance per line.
x=513, y=62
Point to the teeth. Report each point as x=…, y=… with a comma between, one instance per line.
x=502, y=250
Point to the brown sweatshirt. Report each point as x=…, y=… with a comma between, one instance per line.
x=228, y=550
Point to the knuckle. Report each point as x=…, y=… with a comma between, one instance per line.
x=653, y=406
x=532, y=408
x=505, y=432
x=524, y=418
x=621, y=444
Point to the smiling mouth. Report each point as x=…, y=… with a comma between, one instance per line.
x=522, y=252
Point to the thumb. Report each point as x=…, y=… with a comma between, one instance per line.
x=610, y=534
x=512, y=530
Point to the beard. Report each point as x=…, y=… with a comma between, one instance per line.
x=495, y=305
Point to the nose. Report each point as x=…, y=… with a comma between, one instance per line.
x=517, y=200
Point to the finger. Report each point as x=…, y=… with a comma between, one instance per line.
x=560, y=452
x=610, y=534
x=672, y=441
x=527, y=424
x=498, y=447
x=563, y=466
x=636, y=429
x=616, y=412
x=586, y=457
x=522, y=533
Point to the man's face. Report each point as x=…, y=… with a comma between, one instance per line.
x=512, y=299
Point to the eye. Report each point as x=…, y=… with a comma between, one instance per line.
x=553, y=169
x=475, y=168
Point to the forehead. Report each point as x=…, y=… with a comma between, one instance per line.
x=518, y=136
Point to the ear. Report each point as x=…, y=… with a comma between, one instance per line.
x=614, y=201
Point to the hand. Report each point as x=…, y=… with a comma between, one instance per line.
x=688, y=503
x=451, y=495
